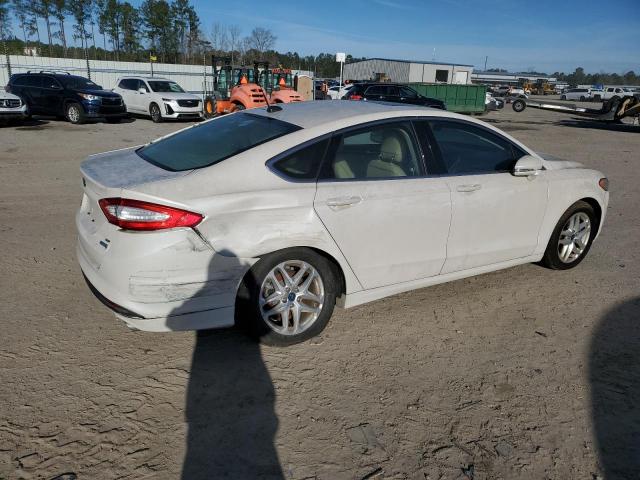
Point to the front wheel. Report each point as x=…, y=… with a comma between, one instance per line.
x=287, y=297
x=571, y=239
x=154, y=111
x=519, y=105
x=563, y=97
x=75, y=113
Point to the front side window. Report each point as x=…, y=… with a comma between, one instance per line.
x=378, y=151
x=143, y=85
x=165, y=86
x=50, y=82
x=304, y=163
x=128, y=84
x=212, y=142
x=468, y=149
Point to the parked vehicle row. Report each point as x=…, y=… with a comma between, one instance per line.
x=78, y=99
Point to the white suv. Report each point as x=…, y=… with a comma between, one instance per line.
x=158, y=98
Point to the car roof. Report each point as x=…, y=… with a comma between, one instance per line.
x=139, y=77
x=327, y=113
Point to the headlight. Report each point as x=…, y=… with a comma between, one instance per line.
x=91, y=98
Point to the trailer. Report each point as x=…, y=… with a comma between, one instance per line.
x=613, y=110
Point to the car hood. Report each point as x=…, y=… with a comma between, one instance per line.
x=178, y=96
x=552, y=162
x=4, y=94
x=102, y=93
x=124, y=169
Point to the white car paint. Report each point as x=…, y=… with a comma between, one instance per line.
x=336, y=92
x=583, y=94
x=390, y=236
x=139, y=100
x=11, y=107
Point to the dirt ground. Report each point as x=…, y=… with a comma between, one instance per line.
x=525, y=373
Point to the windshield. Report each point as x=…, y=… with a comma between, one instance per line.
x=78, y=83
x=214, y=141
x=163, y=86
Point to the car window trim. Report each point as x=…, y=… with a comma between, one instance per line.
x=270, y=164
x=338, y=133
x=514, y=148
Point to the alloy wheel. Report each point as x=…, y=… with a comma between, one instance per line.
x=291, y=297
x=574, y=237
x=74, y=114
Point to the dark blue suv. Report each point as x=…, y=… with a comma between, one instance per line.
x=66, y=96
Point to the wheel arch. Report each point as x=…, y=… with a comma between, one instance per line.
x=597, y=208
x=337, y=267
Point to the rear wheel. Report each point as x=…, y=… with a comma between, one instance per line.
x=563, y=97
x=287, y=297
x=240, y=106
x=75, y=113
x=582, y=98
x=156, y=114
x=209, y=107
x=571, y=239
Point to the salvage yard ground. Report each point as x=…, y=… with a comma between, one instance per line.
x=525, y=373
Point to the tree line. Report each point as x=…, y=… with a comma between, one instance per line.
x=170, y=31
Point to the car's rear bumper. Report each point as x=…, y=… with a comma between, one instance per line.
x=160, y=281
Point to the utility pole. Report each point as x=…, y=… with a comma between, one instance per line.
x=485, y=62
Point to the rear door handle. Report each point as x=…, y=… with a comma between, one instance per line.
x=343, y=201
x=469, y=187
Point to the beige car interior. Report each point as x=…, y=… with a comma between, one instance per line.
x=397, y=158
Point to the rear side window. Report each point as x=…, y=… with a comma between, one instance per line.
x=304, y=163
x=214, y=141
x=29, y=81
x=468, y=149
x=380, y=151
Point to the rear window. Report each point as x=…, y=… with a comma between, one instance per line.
x=212, y=142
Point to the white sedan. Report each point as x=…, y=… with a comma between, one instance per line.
x=268, y=218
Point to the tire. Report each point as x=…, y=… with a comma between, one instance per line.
x=74, y=113
x=259, y=281
x=519, y=105
x=156, y=114
x=240, y=106
x=582, y=98
x=597, y=98
x=553, y=257
x=563, y=97
x=209, y=107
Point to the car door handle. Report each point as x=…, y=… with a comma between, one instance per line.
x=343, y=201
x=469, y=187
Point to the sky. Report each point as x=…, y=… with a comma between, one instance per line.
x=541, y=35
x=538, y=35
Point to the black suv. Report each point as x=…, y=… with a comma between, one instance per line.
x=66, y=96
x=391, y=92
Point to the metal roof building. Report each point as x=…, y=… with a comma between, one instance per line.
x=408, y=71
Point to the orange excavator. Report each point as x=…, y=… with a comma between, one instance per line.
x=284, y=88
x=235, y=88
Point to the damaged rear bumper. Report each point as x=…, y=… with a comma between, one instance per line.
x=163, y=281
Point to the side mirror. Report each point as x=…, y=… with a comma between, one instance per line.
x=142, y=90
x=527, y=166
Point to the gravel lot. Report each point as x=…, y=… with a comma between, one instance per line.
x=525, y=373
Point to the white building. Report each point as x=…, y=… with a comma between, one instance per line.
x=408, y=71
x=506, y=78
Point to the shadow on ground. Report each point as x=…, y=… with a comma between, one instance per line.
x=592, y=124
x=229, y=403
x=614, y=375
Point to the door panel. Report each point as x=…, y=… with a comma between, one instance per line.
x=390, y=231
x=390, y=222
x=496, y=217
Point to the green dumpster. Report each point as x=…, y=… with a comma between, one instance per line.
x=459, y=98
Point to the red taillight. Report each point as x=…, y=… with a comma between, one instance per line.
x=139, y=215
x=355, y=97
